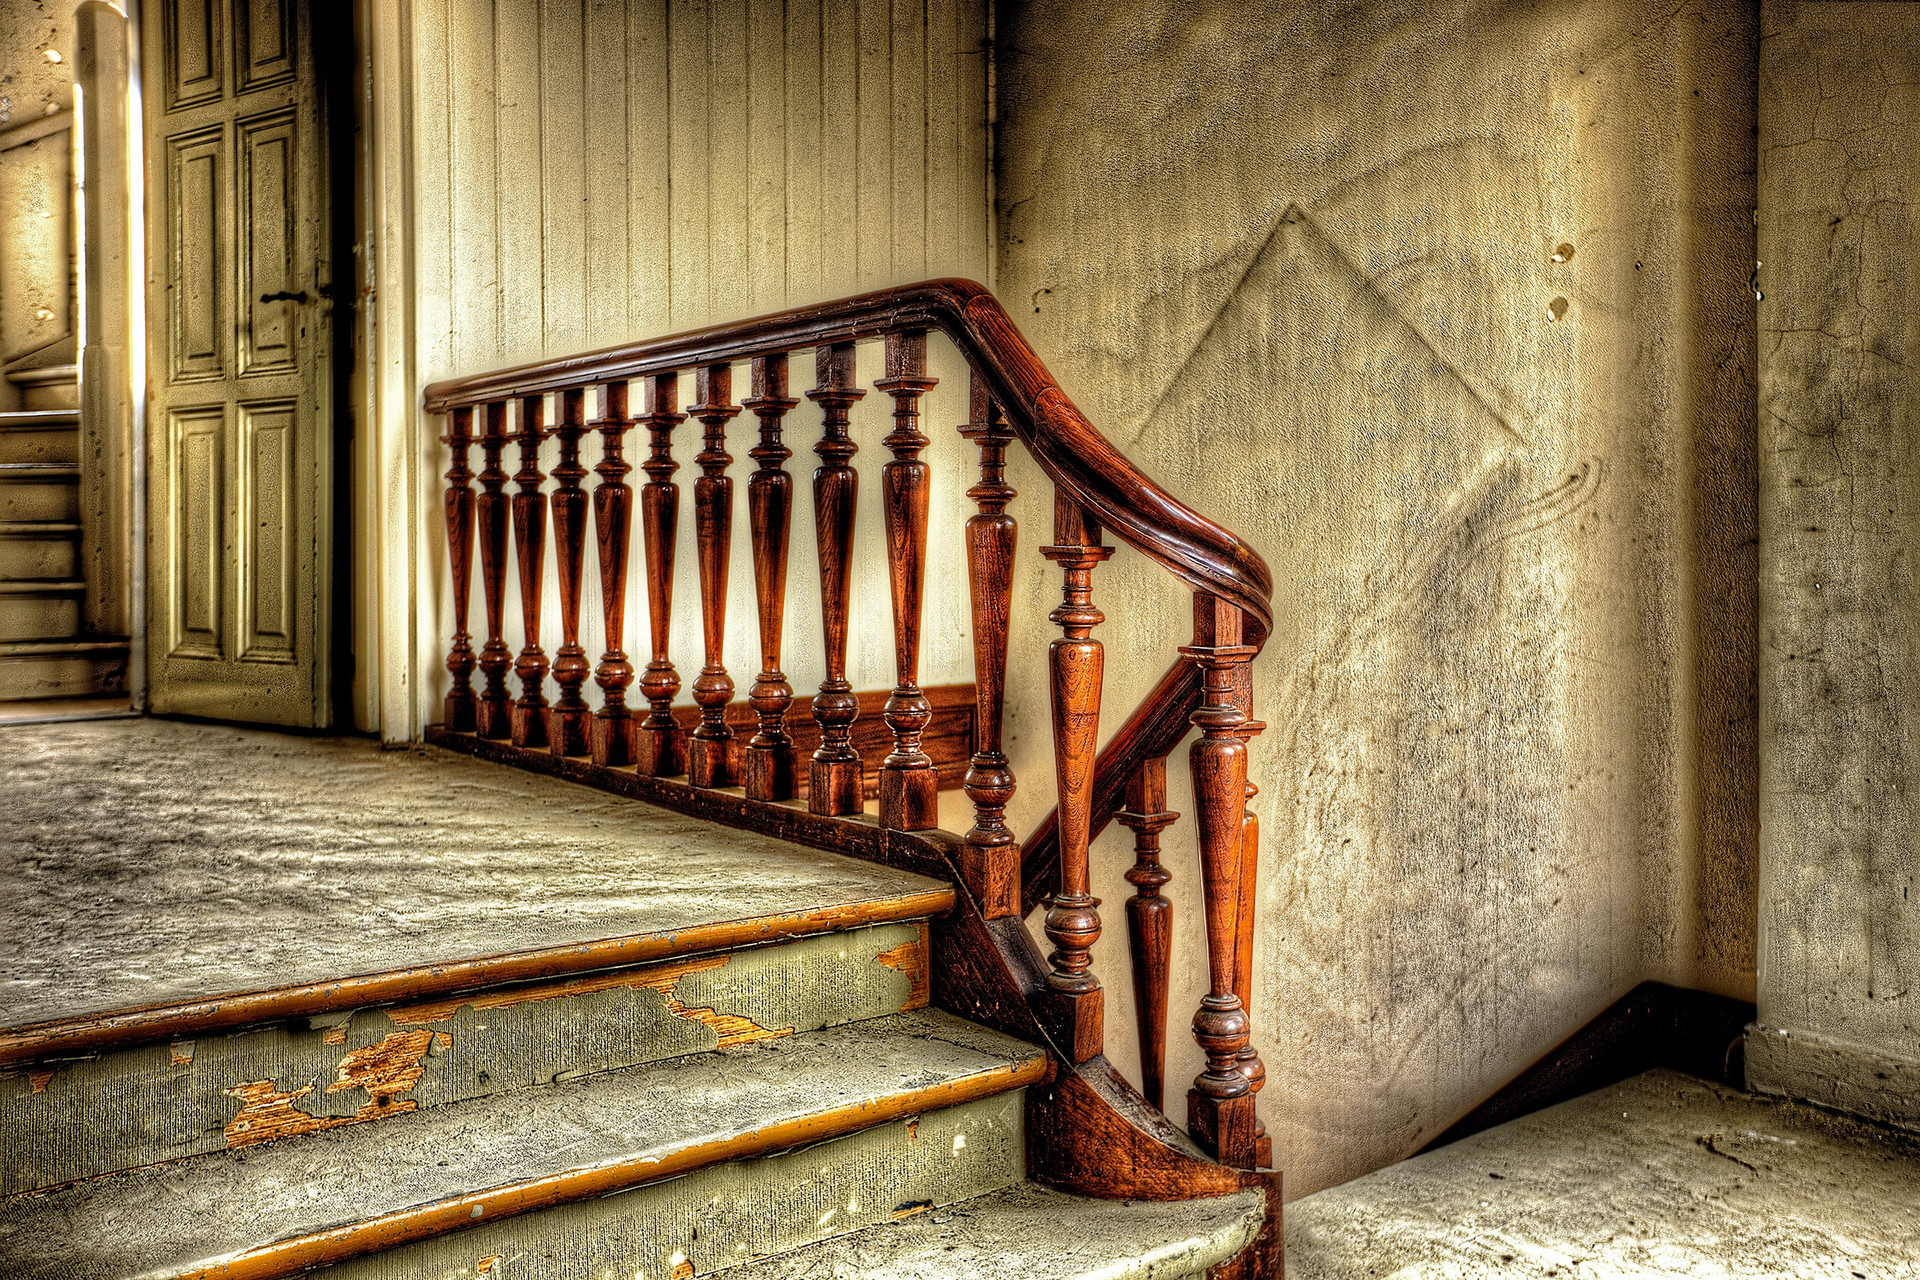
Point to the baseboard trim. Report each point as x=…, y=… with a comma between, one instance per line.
x=1833, y=1074
x=1653, y=1025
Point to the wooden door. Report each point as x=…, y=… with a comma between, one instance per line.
x=239, y=349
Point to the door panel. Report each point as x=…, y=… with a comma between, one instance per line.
x=241, y=365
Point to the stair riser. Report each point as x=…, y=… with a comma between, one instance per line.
x=50, y=444
x=163, y=1102
x=60, y=676
x=731, y=1213
x=55, y=558
x=39, y=617
x=50, y=395
x=39, y=500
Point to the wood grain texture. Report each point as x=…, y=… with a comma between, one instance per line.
x=457, y=711
x=1150, y=922
x=768, y=772
x=835, y=772
x=613, y=724
x=1077, y=662
x=710, y=759
x=991, y=865
x=569, y=716
x=492, y=716
x=660, y=749
x=908, y=800
x=529, y=718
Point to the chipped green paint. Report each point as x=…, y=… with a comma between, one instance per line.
x=164, y=1102
x=731, y=1214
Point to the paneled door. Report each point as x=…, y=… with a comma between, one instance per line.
x=239, y=346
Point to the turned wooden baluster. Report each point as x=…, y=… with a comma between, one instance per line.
x=1249, y=880
x=612, y=512
x=769, y=769
x=834, y=778
x=1149, y=921
x=493, y=717
x=1078, y=662
x=1220, y=1106
x=659, y=747
x=710, y=761
x=569, y=716
x=530, y=543
x=458, y=715
x=989, y=861
x=909, y=792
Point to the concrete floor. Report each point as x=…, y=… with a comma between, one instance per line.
x=1661, y=1176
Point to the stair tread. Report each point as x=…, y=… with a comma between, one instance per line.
x=38, y=528
x=427, y=1171
x=40, y=586
x=38, y=470
x=1029, y=1230
x=39, y=648
x=326, y=874
x=38, y=419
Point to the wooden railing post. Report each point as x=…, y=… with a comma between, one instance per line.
x=710, y=760
x=1220, y=1106
x=1078, y=663
x=659, y=748
x=1249, y=879
x=909, y=792
x=458, y=715
x=835, y=782
x=612, y=513
x=568, y=718
x=769, y=769
x=493, y=717
x=530, y=543
x=989, y=862
x=1149, y=921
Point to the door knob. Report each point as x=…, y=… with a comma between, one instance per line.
x=285, y=295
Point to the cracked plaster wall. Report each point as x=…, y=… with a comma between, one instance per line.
x=1839, y=990
x=37, y=245
x=1311, y=270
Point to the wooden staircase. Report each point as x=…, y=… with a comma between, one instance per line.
x=44, y=649
x=445, y=1064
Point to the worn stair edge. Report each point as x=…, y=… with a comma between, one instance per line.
x=38, y=528
x=718, y=1219
x=343, y=1193
x=38, y=419
x=39, y=471
x=184, y=1019
x=85, y=1117
x=1027, y=1231
x=41, y=587
x=60, y=648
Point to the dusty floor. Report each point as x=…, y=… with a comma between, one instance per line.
x=1661, y=1176
x=319, y=858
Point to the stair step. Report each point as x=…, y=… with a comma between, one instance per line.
x=267, y=901
x=1025, y=1231
x=35, y=670
x=239, y=1090
x=39, y=491
x=287, y=1207
x=47, y=435
x=48, y=387
x=40, y=610
x=39, y=549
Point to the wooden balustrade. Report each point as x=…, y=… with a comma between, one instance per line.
x=737, y=759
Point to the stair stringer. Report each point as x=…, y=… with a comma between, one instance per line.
x=1088, y=1131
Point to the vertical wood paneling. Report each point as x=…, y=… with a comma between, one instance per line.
x=522, y=178
x=563, y=175
x=589, y=171
x=688, y=142
x=473, y=268
x=649, y=144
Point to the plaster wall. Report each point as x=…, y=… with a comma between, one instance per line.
x=36, y=186
x=1447, y=309
x=1839, y=990
x=587, y=172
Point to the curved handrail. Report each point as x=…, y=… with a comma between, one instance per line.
x=1068, y=447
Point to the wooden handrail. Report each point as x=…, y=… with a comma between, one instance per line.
x=1067, y=446
x=1092, y=1132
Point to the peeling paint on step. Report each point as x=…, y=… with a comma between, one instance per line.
x=140, y=1106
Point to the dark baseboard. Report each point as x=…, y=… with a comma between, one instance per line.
x=1653, y=1025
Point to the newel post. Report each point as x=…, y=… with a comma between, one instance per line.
x=1077, y=663
x=1220, y=1106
